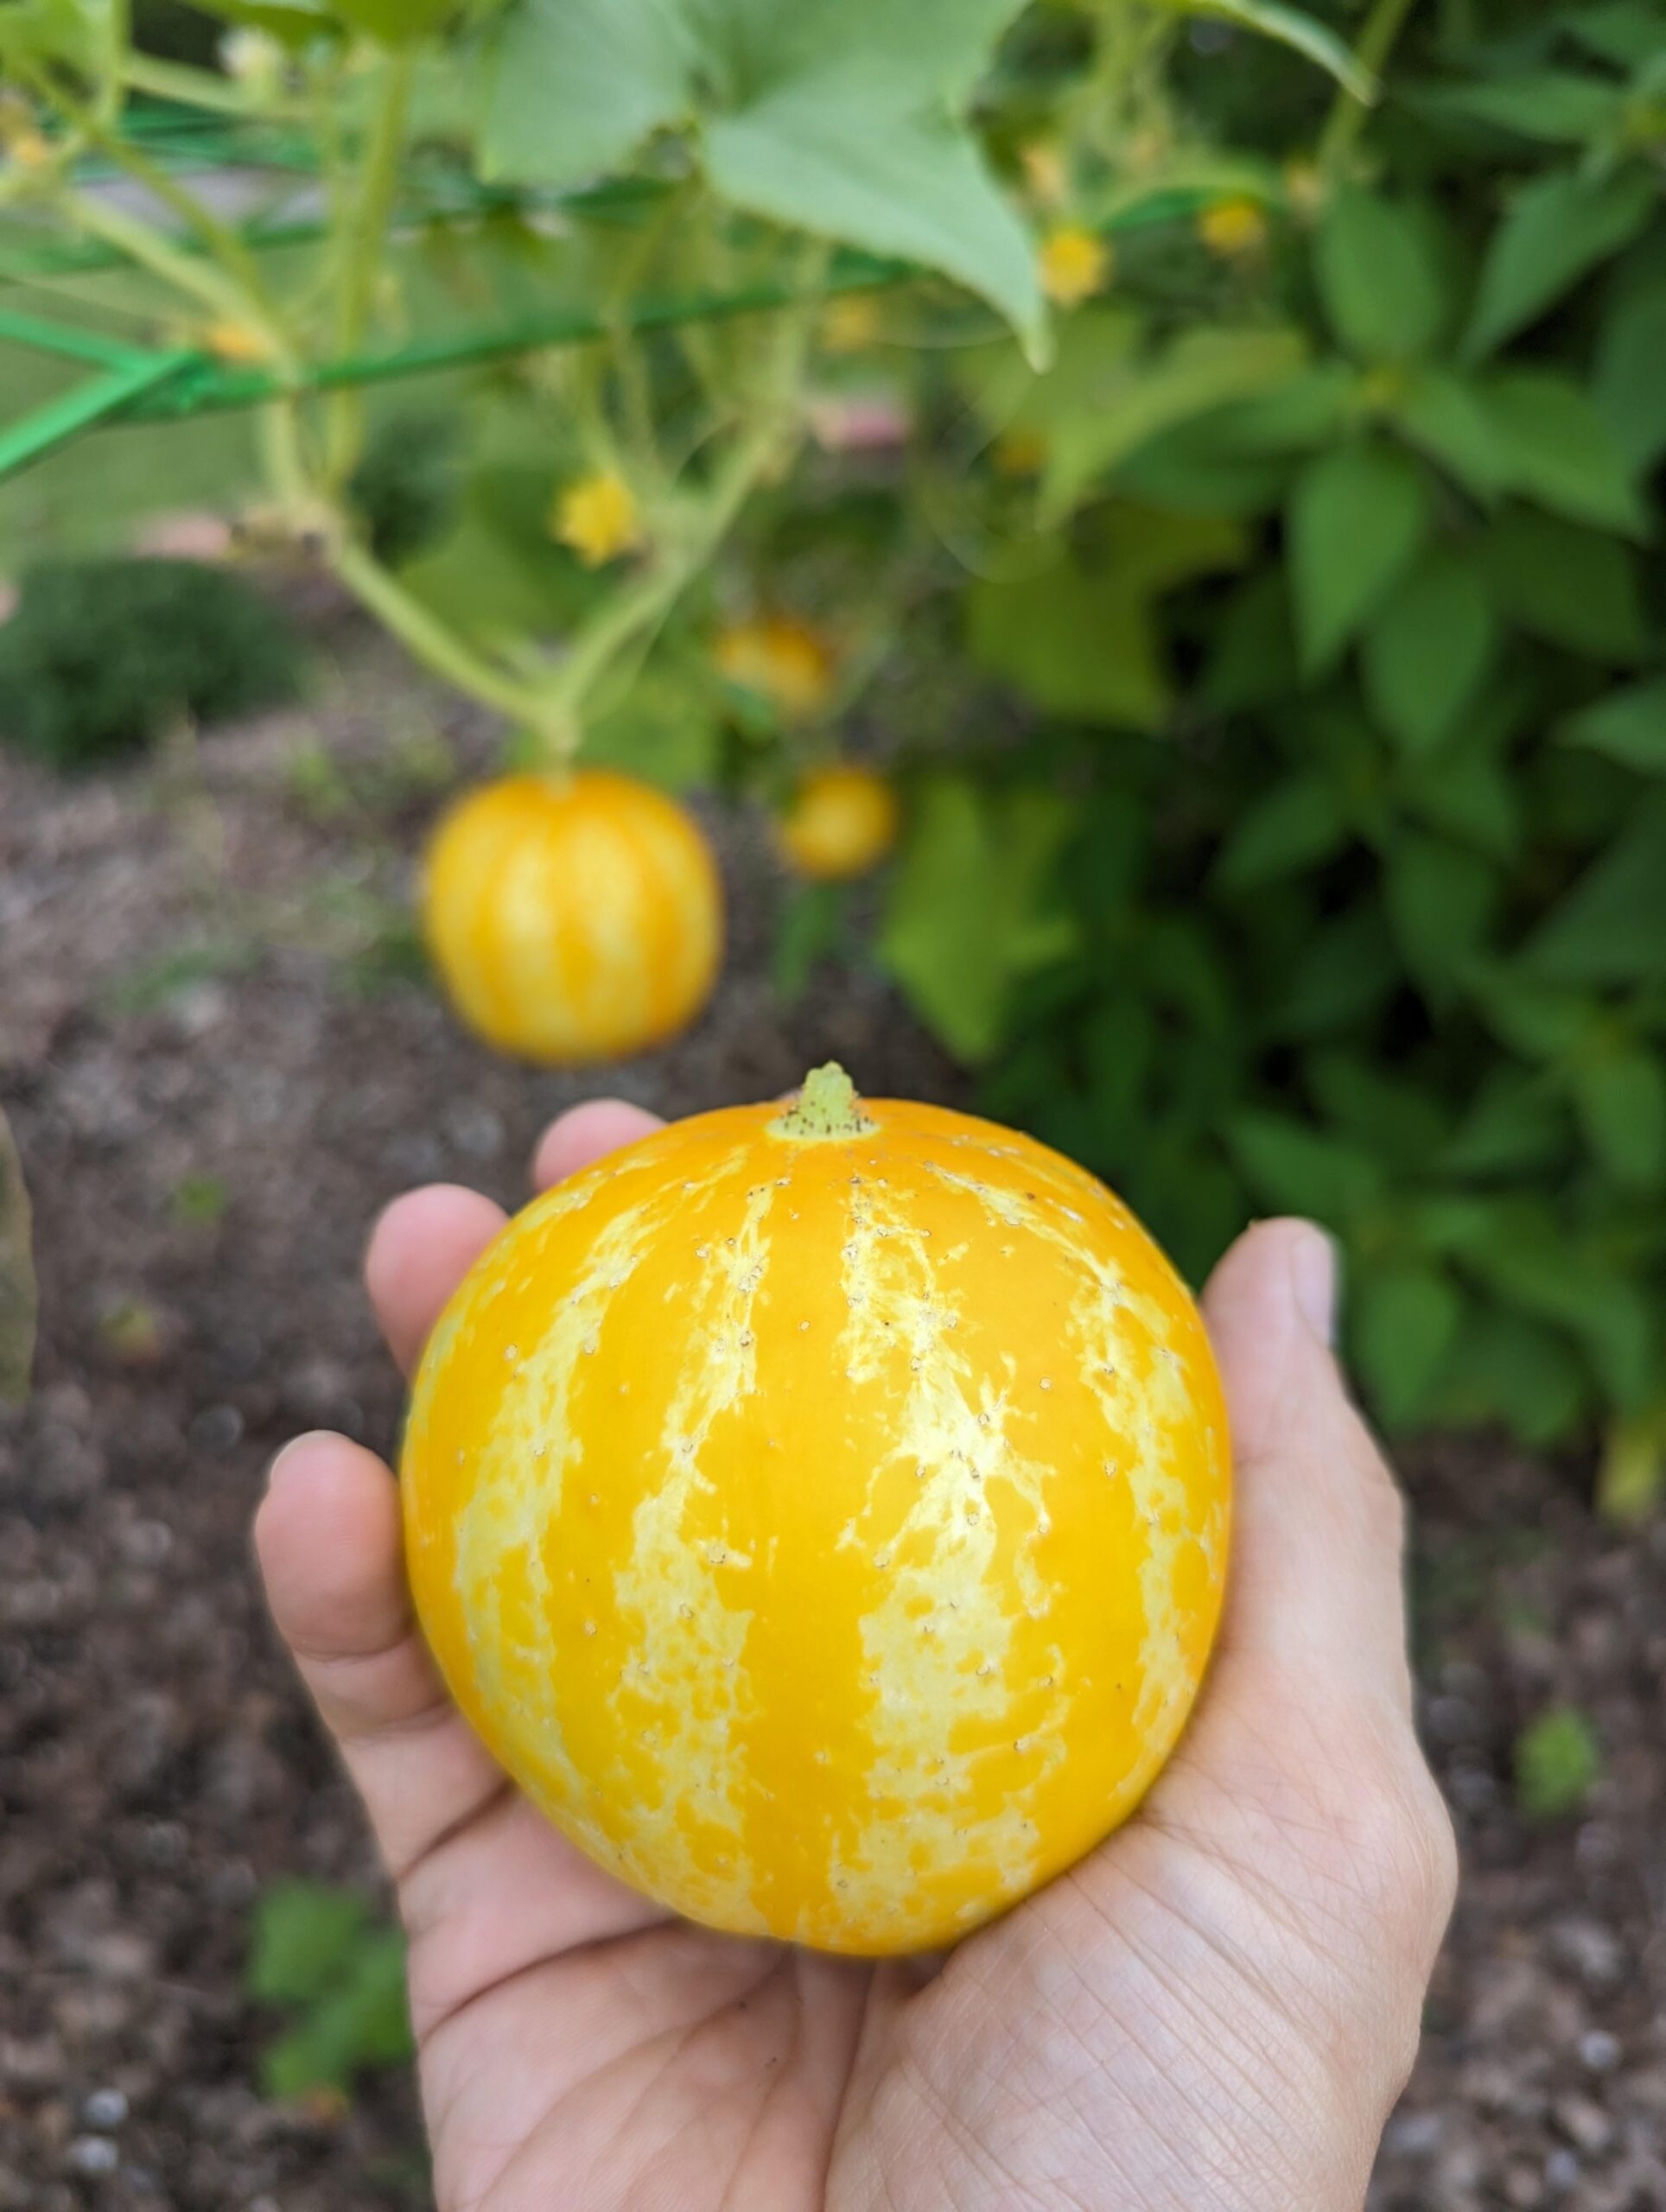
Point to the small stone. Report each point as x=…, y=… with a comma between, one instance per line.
x=1415, y=2134
x=1585, y=2123
x=1599, y=2051
x=94, y=2154
x=104, y=2109
x=1561, y=2172
x=216, y=1429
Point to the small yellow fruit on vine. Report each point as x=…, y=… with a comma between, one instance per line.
x=1045, y=172
x=842, y=821
x=790, y=664
x=821, y=1515
x=574, y=917
x=1233, y=229
x=597, y=516
x=238, y=344
x=1075, y=263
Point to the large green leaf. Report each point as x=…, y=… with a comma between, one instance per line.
x=1406, y=1316
x=1557, y=228
x=1295, y=1169
x=1628, y=726
x=971, y=910
x=294, y=22
x=1621, y=1091
x=1561, y=452
x=1201, y=370
x=1355, y=520
x=1379, y=277
x=1558, y=106
x=1630, y=387
x=1426, y=649
x=1300, y=821
x=72, y=31
x=1610, y=927
x=842, y=118
x=1074, y=644
x=1441, y=900
x=17, y=1289
x=1626, y=32
x=1576, y=588
x=1442, y=413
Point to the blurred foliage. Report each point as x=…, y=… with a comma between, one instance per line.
x=1558, y=1763
x=317, y=1954
x=1269, y=643
x=105, y=657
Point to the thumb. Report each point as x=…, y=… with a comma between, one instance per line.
x=1319, y=1524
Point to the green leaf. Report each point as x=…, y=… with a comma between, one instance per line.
x=1294, y=1169
x=1628, y=388
x=1406, y=1318
x=666, y=729
x=809, y=930
x=395, y=22
x=1528, y=1259
x=302, y=1932
x=1508, y=1371
x=1517, y=1126
x=971, y=909
x=1558, y=1763
x=1355, y=520
x=842, y=118
x=1610, y=927
x=1626, y=32
x=1442, y=414
x=1426, y=649
x=18, y=1299
x=1631, y=1478
x=1073, y=644
x=1621, y=1097
x=1557, y=229
x=1199, y=371
x=294, y=22
x=1560, y=451
x=1577, y=588
x=1292, y=27
x=1628, y=726
x=1378, y=277
x=1465, y=793
x=1299, y=821
x=1555, y=105
x=1442, y=901
x=363, y=2020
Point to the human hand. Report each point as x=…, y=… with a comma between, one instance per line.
x=1212, y=2013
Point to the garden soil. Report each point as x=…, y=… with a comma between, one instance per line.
x=219, y=1063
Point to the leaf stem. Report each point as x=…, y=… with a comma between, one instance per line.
x=1348, y=112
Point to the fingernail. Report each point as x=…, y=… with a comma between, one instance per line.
x=296, y=1443
x=1314, y=1276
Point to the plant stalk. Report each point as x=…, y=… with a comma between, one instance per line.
x=1348, y=112
x=378, y=188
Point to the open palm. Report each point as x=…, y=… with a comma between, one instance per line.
x=1216, y=2009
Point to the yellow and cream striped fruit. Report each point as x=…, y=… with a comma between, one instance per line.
x=823, y=1515
x=842, y=822
x=573, y=917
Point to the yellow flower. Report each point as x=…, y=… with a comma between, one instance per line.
x=1019, y=453
x=1075, y=264
x=597, y=515
x=1044, y=171
x=28, y=150
x=851, y=323
x=237, y=344
x=791, y=664
x=1233, y=228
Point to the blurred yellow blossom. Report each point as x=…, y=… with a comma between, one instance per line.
x=788, y=661
x=1075, y=263
x=1305, y=189
x=850, y=323
x=238, y=344
x=1019, y=453
x=1233, y=228
x=597, y=515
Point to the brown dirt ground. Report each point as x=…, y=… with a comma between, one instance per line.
x=203, y=1000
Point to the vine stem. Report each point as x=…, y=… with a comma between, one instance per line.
x=1371, y=51
x=377, y=187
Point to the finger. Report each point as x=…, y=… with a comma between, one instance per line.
x=329, y=1542
x=1317, y=1573
x=585, y=1134
x=420, y=1249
